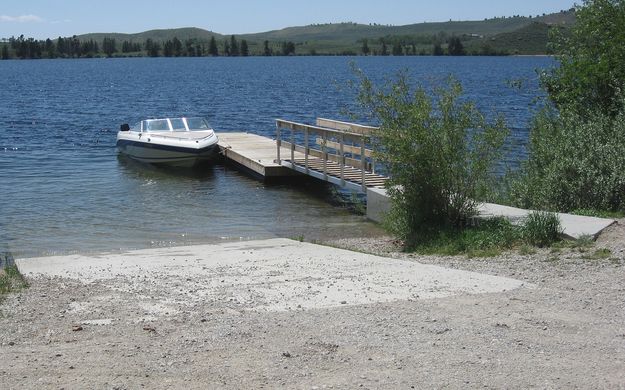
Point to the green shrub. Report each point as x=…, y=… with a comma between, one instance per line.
x=541, y=228
x=574, y=163
x=590, y=77
x=439, y=152
x=577, y=148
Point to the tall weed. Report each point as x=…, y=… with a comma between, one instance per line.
x=541, y=228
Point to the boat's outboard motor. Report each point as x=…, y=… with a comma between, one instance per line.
x=124, y=127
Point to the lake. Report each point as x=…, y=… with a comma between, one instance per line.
x=64, y=188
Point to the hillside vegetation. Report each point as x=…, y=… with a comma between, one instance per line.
x=496, y=36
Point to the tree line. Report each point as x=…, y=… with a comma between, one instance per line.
x=436, y=45
x=73, y=47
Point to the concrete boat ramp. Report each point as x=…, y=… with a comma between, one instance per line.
x=269, y=275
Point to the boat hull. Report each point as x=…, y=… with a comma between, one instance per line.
x=158, y=154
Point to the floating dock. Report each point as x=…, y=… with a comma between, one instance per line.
x=331, y=151
x=255, y=153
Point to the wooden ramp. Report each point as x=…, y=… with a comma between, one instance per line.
x=340, y=175
x=333, y=151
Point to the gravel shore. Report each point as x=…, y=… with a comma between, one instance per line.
x=566, y=331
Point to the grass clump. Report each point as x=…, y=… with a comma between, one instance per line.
x=488, y=239
x=527, y=250
x=599, y=254
x=11, y=280
x=299, y=237
x=541, y=229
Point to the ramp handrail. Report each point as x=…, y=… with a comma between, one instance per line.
x=328, y=129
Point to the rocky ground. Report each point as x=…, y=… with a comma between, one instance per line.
x=567, y=331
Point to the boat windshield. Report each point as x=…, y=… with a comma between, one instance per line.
x=174, y=124
x=177, y=124
x=197, y=124
x=156, y=125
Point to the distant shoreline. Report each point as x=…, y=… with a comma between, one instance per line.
x=298, y=55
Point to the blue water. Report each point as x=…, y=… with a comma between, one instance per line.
x=64, y=189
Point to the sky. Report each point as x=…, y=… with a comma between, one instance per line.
x=50, y=19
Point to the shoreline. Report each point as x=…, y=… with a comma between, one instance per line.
x=156, y=323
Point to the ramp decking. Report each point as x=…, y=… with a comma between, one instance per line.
x=255, y=153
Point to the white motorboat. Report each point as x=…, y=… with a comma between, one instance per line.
x=183, y=142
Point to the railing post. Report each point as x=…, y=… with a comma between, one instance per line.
x=292, y=145
x=324, y=150
x=278, y=143
x=363, y=163
x=342, y=160
x=306, y=149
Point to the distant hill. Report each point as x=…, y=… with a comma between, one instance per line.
x=529, y=40
x=156, y=35
x=354, y=32
x=495, y=36
x=342, y=34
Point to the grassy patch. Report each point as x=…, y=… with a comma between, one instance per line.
x=299, y=238
x=527, y=250
x=11, y=280
x=582, y=244
x=493, y=236
x=599, y=254
x=490, y=238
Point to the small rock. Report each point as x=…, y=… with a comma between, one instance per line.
x=149, y=328
x=286, y=354
x=76, y=328
x=343, y=302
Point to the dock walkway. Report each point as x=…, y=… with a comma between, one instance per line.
x=331, y=151
x=255, y=153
